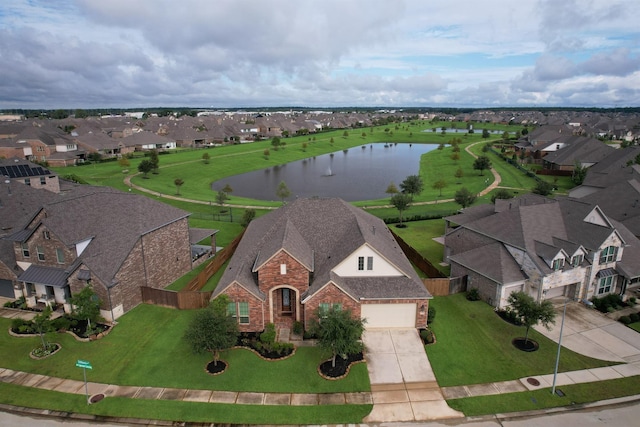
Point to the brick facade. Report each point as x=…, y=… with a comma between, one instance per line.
x=258, y=317
x=330, y=294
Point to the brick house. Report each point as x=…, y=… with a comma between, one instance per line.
x=545, y=247
x=114, y=241
x=318, y=253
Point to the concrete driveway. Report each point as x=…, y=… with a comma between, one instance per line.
x=591, y=333
x=403, y=386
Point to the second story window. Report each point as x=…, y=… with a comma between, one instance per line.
x=60, y=256
x=558, y=264
x=360, y=263
x=25, y=250
x=369, y=263
x=40, y=253
x=43, y=180
x=27, y=181
x=608, y=254
x=577, y=260
x=46, y=235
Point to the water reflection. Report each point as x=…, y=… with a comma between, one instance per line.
x=361, y=174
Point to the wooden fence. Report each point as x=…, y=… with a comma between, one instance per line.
x=445, y=285
x=214, y=264
x=418, y=260
x=183, y=300
x=191, y=296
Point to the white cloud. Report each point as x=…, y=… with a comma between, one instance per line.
x=332, y=52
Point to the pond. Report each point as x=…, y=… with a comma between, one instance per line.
x=359, y=173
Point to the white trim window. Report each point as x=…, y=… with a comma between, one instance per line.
x=40, y=253
x=558, y=264
x=576, y=261
x=605, y=285
x=608, y=254
x=360, y=263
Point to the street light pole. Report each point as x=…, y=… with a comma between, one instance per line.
x=555, y=371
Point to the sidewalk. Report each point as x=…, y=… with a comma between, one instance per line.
x=159, y=393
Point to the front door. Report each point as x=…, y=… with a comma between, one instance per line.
x=286, y=302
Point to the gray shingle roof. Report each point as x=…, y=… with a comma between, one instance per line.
x=501, y=268
x=321, y=233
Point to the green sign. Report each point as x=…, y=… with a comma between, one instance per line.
x=83, y=364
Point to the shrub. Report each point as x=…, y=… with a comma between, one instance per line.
x=634, y=317
x=269, y=334
x=61, y=323
x=427, y=336
x=431, y=314
x=625, y=320
x=631, y=301
x=608, y=303
x=21, y=326
x=297, y=328
x=473, y=294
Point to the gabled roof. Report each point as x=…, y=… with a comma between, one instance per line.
x=502, y=269
x=582, y=150
x=113, y=220
x=320, y=234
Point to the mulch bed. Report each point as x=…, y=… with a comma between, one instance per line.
x=342, y=366
x=528, y=346
x=216, y=368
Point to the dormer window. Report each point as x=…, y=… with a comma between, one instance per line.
x=558, y=264
x=608, y=254
x=577, y=260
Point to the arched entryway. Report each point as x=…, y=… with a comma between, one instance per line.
x=284, y=303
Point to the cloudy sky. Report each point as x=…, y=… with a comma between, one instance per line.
x=331, y=53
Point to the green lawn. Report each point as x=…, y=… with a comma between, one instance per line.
x=184, y=411
x=474, y=346
x=420, y=234
x=575, y=394
x=635, y=326
x=146, y=349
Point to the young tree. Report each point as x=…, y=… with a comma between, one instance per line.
x=221, y=197
x=338, y=332
x=543, y=188
x=212, y=329
x=531, y=312
x=579, y=173
x=505, y=136
x=178, y=182
x=275, y=143
x=155, y=161
x=124, y=162
x=412, y=185
x=459, y=174
x=464, y=197
x=42, y=325
x=402, y=202
x=85, y=305
x=485, y=133
x=227, y=189
x=145, y=166
x=439, y=185
x=482, y=163
x=331, y=141
x=248, y=216
x=283, y=191
x=205, y=158
x=345, y=134
x=392, y=189
x=455, y=156
x=266, y=153
x=304, y=146
x=501, y=193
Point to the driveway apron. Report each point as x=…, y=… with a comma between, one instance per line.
x=403, y=385
x=587, y=331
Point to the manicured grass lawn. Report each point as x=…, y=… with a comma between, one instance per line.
x=420, y=234
x=184, y=411
x=146, y=349
x=540, y=399
x=474, y=346
x=635, y=326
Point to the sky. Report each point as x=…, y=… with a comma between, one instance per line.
x=319, y=53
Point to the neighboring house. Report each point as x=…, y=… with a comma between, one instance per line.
x=313, y=254
x=36, y=176
x=547, y=248
x=116, y=242
x=145, y=141
x=584, y=151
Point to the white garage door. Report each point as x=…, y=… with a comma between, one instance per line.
x=555, y=292
x=389, y=315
